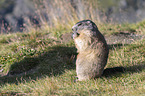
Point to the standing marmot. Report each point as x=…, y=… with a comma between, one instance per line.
x=92, y=48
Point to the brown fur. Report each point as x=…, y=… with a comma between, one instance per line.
x=92, y=48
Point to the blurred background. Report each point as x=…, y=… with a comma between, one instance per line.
x=20, y=15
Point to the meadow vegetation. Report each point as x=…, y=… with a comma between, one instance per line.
x=37, y=62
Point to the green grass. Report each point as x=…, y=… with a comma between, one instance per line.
x=38, y=64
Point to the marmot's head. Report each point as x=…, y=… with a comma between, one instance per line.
x=84, y=25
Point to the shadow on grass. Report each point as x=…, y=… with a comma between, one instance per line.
x=11, y=94
x=109, y=72
x=51, y=63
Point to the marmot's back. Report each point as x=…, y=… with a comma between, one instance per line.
x=92, y=48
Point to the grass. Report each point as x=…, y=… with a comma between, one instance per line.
x=38, y=63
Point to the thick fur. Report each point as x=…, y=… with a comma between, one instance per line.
x=92, y=50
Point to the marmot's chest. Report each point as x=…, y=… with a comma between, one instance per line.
x=83, y=45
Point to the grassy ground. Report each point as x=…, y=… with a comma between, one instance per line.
x=38, y=63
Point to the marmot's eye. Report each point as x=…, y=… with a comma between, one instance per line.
x=79, y=24
x=78, y=34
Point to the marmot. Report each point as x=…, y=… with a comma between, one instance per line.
x=92, y=50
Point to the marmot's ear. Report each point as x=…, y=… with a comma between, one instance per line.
x=88, y=21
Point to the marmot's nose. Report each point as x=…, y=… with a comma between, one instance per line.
x=74, y=35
